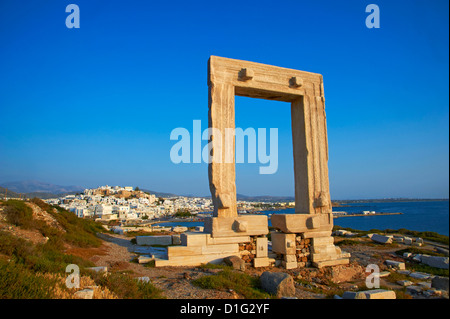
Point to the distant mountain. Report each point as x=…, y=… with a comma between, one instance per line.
x=46, y=190
x=159, y=194
x=40, y=187
x=8, y=193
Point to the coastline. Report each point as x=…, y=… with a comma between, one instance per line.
x=366, y=215
x=419, y=216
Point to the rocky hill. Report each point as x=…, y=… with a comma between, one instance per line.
x=38, y=242
x=31, y=186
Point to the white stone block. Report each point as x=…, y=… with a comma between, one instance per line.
x=381, y=239
x=396, y=264
x=436, y=261
x=154, y=240
x=261, y=262
x=193, y=239
x=380, y=294
x=262, y=248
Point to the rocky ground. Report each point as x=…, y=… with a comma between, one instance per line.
x=174, y=281
x=117, y=254
x=310, y=283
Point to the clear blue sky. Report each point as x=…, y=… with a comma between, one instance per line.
x=96, y=105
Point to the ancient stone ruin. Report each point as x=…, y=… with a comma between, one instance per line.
x=300, y=238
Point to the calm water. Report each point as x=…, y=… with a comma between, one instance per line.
x=186, y=224
x=420, y=216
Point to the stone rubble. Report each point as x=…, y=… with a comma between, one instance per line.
x=279, y=284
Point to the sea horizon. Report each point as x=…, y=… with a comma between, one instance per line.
x=430, y=216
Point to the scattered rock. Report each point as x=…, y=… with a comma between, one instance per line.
x=435, y=261
x=144, y=259
x=441, y=250
x=98, y=269
x=235, y=262
x=380, y=294
x=117, y=230
x=354, y=295
x=420, y=275
x=340, y=232
x=279, y=284
x=381, y=239
x=179, y=229
x=407, y=241
x=413, y=290
x=429, y=293
x=143, y=279
x=84, y=294
x=405, y=283
x=424, y=285
x=396, y=264
x=440, y=283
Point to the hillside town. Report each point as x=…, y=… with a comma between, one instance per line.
x=128, y=204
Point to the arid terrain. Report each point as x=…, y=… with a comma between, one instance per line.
x=38, y=241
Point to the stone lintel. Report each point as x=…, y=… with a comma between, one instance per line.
x=261, y=80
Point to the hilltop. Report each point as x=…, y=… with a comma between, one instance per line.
x=38, y=242
x=32, y=186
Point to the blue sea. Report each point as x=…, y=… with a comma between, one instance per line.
x=419, y=216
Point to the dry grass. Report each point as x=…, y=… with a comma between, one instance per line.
x=60, y=291
x=87, y=253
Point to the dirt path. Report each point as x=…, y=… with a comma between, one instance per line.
x=116, y=254
x=174, y=281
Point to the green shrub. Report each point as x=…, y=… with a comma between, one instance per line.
x=13, y=246
x=415, y=250
x=427, y=235
x=79, y=232
x=427, y=269
x=350, y=242
x=242, y=283
x=18, y=282
x=18, y=213
x=214, y=266
x=45, y=258
x=183, y=213
x=127, y=287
